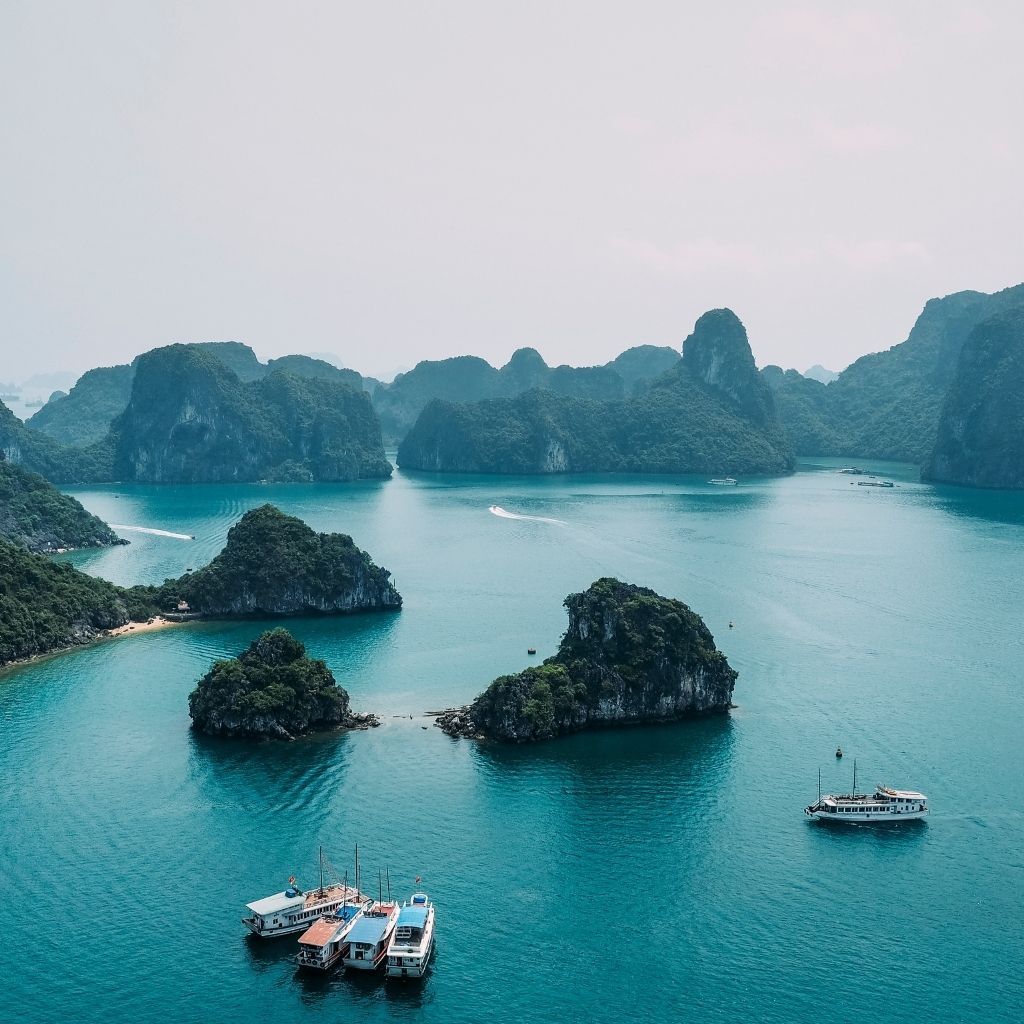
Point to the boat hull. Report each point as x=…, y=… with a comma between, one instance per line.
x=868, y=819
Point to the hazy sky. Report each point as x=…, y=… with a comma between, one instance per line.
x=394, y=182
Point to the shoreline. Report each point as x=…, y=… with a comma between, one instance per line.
x=129, y=628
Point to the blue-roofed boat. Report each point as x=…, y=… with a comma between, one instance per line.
x=370, y=935
x=325, y=944
x=413, y=942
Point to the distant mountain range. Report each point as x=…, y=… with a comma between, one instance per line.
x=212, y=411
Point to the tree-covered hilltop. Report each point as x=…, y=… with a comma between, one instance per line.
x=710, y=413
x=36, y=516
x=47, y=605
x=274, y=564
x=886, y=405
x=980, y=440
x=191, y=420
x=273, y=689
x=628, y=657
x=471, y=379
x=83, y=416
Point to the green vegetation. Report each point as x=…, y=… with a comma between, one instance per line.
x=887, y=405
x=191, y=420
x=83, y=416
x=35, y=515
x=710, y=413
x=274, y=564
x=272, y=689
x=980, y=439
x=628, y=656
x=642, y=363
x=47, y=605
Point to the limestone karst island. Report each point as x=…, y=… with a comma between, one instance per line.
x=512, y=513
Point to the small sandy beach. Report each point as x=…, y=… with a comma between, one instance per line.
x=157, y=622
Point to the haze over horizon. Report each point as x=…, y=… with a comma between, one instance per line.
x=401, y=183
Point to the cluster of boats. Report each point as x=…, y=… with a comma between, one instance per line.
x=343, y=928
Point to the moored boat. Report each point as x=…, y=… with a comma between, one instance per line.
x=723, y=481
x=324, y=944
x=368, y=940
x=884, y=805
x=413, y=943
x=294, y=910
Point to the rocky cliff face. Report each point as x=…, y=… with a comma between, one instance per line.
x=272, y=691
x=980, y=438
x=718, y=353
x=274, y=564
x=628, y=657
x=191, y=420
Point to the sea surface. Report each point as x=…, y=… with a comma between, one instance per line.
x=655, y=874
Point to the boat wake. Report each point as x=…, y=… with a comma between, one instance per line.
x=155, y=533
x=497, y=510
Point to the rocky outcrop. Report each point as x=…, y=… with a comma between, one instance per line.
x=980, y=440
x=718, y=354
x=709, y=413
x=36, y=516
x=272, y=690
x=628, y=657
x=192, y=420
x=274, y=564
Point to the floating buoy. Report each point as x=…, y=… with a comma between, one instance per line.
x=531, y=650
x=839, y=751
x=730, y=624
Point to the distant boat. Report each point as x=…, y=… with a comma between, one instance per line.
x=853, y=471
x=884, y=805
x=839, y=751
x=413, y=942
x=875, y=483
x=723, y=481
x=531, y=650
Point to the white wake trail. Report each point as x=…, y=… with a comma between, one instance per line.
x=155, y=533
x=497, y=510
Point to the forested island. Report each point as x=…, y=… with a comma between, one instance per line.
x=980, y=439
x=628, y=657
x=36, y=516
x=709, y=413
x=272, y=690
x=272, y=564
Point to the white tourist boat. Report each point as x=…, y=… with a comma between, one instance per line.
x=723, y=481
x=368, y=940
x=413, y=942
x=293, y=910
x=884, y=805
x=324, y=944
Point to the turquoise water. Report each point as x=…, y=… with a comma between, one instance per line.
x=643, y=875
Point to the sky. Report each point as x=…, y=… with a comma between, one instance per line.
x=393, y=182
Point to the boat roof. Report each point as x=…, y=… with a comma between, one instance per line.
x=320, y=932
x=369, y=929
x=904, y=794
x=276, y=903
x=413, y=917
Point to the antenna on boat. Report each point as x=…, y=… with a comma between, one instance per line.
x=388, y=870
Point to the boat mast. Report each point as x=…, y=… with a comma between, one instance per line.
x=388, y=870
x=321, y=869
x=819, y=785
x=380, y=887
x=855, y=776
x=357, y=867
